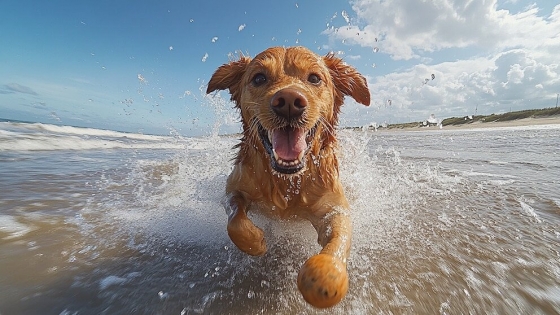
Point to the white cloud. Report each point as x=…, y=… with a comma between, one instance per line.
x=510, y=80
x=405, y=29
x=508, y=60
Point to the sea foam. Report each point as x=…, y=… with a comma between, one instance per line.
x=45, y=137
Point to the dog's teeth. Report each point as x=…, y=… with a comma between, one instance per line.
x=300, y=156
x=281, y=162
x=270, y=136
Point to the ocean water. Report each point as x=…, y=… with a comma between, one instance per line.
x=445, y=222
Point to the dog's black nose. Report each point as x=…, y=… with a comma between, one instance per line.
x=288, y=103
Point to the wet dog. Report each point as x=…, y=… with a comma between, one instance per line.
x=289, y=100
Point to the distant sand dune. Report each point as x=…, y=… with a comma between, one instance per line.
x=553, y=120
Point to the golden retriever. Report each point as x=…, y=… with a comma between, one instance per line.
x=290, y=99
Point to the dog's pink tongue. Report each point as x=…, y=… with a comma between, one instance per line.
x=288, y=143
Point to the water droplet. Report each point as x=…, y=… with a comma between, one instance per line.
x=162, y=295
x=345, y=16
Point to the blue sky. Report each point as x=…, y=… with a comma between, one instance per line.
x=142, y=66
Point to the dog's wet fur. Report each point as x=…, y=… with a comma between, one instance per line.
x=289, y=100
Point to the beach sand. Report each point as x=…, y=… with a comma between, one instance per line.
x=553, y=120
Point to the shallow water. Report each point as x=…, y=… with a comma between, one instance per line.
x=444, y=222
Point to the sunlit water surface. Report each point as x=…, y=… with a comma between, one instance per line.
x=448, y=222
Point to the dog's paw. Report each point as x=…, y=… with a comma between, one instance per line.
x=247, y=237
x=323, y=280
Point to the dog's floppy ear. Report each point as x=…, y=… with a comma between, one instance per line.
x=228, y=76
x=347, y=81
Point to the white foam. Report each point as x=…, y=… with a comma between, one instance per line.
x=50, y=143
x=44, y=137
x=528, y=210
x=180, y=198
x=482, y=174
x=70, y=130
x=187, y=201
x=111, y=281
x=12, y=227
x=498, y=182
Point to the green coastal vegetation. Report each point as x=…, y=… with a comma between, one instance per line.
x=455, y=121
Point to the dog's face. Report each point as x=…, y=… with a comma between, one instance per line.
x=285, y=96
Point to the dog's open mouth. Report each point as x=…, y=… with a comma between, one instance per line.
x=287, y=147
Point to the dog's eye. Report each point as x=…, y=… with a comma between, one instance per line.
x=314, y=79
x=259, y=79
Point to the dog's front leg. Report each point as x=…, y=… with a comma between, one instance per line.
x=323, y=279
x=243, y=233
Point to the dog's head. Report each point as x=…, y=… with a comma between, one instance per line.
x=285, y=96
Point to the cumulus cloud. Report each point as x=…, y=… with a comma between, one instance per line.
x=405, y=29
x=507, y=61
x=511, y=80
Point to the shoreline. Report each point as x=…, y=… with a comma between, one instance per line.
x=554, y=120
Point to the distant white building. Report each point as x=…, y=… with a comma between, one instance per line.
x=432, y=121
x=374, y=125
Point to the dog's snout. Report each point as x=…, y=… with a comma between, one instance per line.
x=288, y=103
